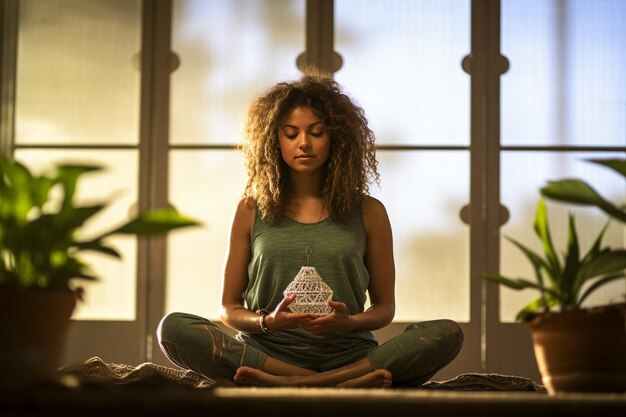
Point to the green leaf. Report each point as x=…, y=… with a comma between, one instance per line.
x=616, y=164
x=40, y=190
x=543, y=231
x=74, y=217
x=154, y=222
x=73, y=269
x=57, y=228
x=572, y=191
x=614, y=211
x=514, y=283
x=97, y=246
x=68, y=175
x=16, y=186
x=542, y=303
x=596, y=247
x=599, y=283
x=572, y=265
x=579, y=192
x=606, y=262
x=539, y=264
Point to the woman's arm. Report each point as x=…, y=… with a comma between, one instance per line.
x=233, y=312
x=380, y=265
x=235, y=280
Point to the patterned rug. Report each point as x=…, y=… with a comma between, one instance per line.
x=97, y=372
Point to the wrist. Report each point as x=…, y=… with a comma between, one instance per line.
x=262, y=322
x=355, y=323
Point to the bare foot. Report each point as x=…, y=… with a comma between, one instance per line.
x=380, y=378
x=251, y=376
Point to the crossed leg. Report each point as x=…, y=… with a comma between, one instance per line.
x=193, y=342
x=413, y=356
x=274, y=373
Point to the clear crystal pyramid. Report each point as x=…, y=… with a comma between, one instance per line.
x=312, y=292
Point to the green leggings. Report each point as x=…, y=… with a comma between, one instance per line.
x=412, y=357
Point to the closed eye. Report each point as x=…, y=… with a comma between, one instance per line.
x=295, y=135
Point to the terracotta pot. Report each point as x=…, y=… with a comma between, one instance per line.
x=582, y=350
x=33, y=326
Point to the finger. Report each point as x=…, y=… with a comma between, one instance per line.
x=313, y=322
x=338, y=307
x=301, y=317
x=320, y=321
x=282, y=306
x=312, y=329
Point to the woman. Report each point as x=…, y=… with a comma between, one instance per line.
x=310, y=157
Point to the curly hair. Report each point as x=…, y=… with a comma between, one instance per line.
x=351, y=165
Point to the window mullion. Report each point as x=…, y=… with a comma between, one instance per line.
x=8, y=60
x=154, y=156
x=320, y=37
x=485, y=65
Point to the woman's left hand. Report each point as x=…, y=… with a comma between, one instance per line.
x=337, y=321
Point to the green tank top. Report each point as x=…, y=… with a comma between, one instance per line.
x=338, y=256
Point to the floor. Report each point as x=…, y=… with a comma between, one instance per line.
x=154, y=401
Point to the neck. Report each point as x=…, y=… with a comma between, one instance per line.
x=306, y=186
x=307, y=201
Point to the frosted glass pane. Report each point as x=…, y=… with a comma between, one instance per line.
x=113, y=297
x=229, y=50
x=206, y=185
x=402, y=63
x=77, y=71
x=566, y=83
x=523, y=174
x=423, y=193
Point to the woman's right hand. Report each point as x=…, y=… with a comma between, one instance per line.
x=283, y=319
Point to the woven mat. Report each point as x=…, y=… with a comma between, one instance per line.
x=96, y=371
x=485, y=382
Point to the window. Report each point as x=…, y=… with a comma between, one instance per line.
x=77, y=99
x=565, y=91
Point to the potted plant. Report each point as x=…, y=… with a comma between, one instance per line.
x=577, y=348
x=40, y=263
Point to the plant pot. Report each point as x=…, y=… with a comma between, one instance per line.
x=581, y=350
x=33, y=326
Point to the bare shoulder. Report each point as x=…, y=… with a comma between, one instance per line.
x=373, y=207
x=244, y=215
x=374, y=212
x=246, y=205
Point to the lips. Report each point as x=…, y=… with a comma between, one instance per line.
x=304, y=156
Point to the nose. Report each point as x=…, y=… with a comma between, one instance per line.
x=303, y=141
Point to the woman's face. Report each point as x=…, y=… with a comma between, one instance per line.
x=304, y=140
